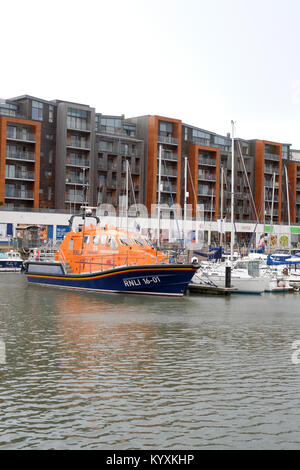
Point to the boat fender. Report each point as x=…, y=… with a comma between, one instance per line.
x=194, y=260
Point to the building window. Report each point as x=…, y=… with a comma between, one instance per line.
x=111, y=125
x=166, y=128
x=49, y=193
x=37, y=110
x=51, y=113
x=77, y=119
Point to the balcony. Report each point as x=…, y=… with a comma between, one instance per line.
x=165, y=139
x=269, y=198
x=74, y=198
x=83, y=126
x=272, y=156
x=271, y=170
x=20, y=175
x=74, y=180
x=207, y=177
x=78, y=162
x=169, y=156
x=20, y=135
x=166, y=188
x=110, y=130
x=169, y=172
x=18, y=194
x=205, y=192
x=269, y=184
x=201, y=141
x=26, y=156
x=207, y=161
x=79, y=145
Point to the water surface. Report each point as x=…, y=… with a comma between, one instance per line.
x=103, y=371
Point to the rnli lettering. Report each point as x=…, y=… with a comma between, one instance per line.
x=132, y=283
x=141, y=281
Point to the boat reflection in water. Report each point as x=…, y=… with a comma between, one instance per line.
x=104, y=259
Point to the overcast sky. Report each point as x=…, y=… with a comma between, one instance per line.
x=204, y=62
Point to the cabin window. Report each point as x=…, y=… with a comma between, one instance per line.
x=125, y=241
x=112, y=243
x=96, y=240
x=103, y=240
x=139, y=241
x=71, y=244
x=86, y=239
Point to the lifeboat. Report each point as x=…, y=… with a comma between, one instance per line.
x=108, y=259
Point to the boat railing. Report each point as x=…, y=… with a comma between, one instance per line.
x=91, y=264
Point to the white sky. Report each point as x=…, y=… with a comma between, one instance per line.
x=205, y=62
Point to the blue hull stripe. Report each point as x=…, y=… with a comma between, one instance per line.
x=143, y=280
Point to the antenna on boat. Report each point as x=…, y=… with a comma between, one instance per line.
x=159, y=190
x=232, y=192
x=288, y=207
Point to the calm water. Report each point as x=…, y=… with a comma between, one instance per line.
x=85, y=371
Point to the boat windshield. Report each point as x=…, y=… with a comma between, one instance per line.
x=125, y=241
x=96, y=240
x=103, y=240
x=241, y=265
x=86, y=239
x=140, y=241
x=112, y=243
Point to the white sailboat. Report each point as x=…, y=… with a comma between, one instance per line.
x=245, y=279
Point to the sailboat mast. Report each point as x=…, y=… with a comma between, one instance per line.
x=159, y=188
x=127, y=193
x=185, y=199
x=232, y=192
x=288, y=206
x=222, y=197
x=272, y=210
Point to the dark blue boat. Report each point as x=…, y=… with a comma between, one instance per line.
x=10, y=261
x=164, y=279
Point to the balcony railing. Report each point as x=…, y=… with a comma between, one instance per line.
x=169, y=172
x=74, y=198
x=20, y=136
x=29, y=156
x=167, y=139
x=272, y=156
x=78, y=162
x=169, y=156
x=207, y=161
x=18, y=194
x=26, y=175
x=84, y=126
x=201, y=141
x=206, y=177
x=205, y=192
x=79, y=144
x=166, y=188
x=74, y=180
x=271, y=170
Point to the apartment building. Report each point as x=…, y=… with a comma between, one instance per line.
x=161, y=137
x=58, y=154
x=20, y=144
x=119, y=162
x=76, y=156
